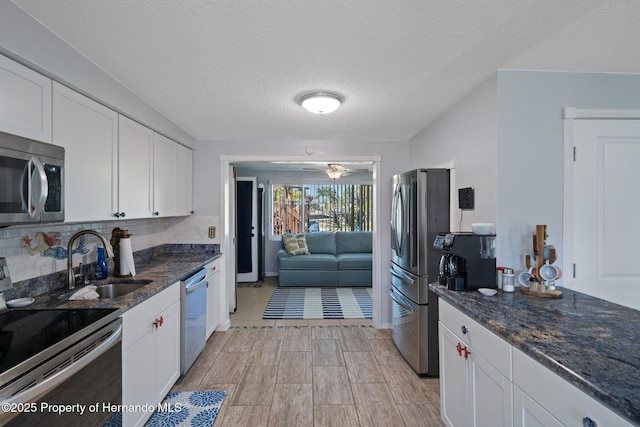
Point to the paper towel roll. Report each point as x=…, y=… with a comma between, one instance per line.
x=126, y=258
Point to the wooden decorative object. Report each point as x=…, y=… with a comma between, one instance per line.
x=546, y=294
x=539, y=240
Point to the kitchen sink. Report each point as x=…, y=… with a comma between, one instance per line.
x=120, y=287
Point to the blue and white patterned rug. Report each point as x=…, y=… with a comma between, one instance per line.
x=183, y=408
x=319, y=303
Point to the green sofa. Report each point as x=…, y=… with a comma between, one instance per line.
x=342, y=258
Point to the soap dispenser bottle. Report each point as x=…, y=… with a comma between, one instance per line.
x=101, y=265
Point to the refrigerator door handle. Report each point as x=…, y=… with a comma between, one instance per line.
x=397, y=221
x=402, y=276
x=401, y=301
x=393, y=221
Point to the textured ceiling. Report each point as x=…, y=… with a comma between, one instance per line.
x=230, y=69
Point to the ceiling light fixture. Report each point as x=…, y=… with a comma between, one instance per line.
x=336, y=171
x=333, y=174
x=321, y=102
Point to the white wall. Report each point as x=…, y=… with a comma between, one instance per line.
x=25, y=40
x=467, y=135
x=530, y=148
x=394, y=159
x=506, y=138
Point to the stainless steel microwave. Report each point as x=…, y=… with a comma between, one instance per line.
x=31, y=181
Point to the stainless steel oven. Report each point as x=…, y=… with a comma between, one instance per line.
x=31, y=181
x=60, y=367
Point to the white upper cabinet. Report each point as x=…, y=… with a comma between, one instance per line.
x=89, y=133
x=135, y=170
x=116, y=167
x=25, y=101
x=185, y=180
x=165, y=176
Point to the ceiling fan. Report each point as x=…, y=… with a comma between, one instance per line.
x=336, y=170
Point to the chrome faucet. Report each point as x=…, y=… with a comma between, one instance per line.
x=71, y=283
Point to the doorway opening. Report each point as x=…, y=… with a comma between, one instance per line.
x=228, y=166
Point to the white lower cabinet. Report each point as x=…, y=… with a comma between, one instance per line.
x=528, y=413
x=150, y=353
x=473, y=391
x=213, y=295
x=491, y=394
x=562, y=400
x=454, y=380
x=484, y=381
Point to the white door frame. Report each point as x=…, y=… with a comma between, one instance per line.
x=227, y=235
x=228, y=226
x=569, y=115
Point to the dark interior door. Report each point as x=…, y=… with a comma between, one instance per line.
x=260, y=234
x=244, y=226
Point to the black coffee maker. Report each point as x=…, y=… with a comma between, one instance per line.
x=468, y=261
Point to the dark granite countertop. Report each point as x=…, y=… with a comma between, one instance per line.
x=592, y=343
x=163, y=269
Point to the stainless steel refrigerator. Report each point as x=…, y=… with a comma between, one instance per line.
x=419, y=210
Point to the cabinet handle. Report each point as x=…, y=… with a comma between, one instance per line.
x=464, y=330
x=588, y=422
x=464, y=350
x=207, y=284
x=156, y=213
x=122, y=214
x=158, y=322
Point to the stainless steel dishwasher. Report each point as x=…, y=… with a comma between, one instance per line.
x=193, y=293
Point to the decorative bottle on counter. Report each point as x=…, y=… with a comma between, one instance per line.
x=101, y=265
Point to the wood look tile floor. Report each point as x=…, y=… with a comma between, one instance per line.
x=309, y=373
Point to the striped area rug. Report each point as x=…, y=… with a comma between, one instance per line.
x=319, y=303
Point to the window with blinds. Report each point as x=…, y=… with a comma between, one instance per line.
x=309, y=208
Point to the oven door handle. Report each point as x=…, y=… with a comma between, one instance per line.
x=401, y=301
x=55, y=380
x=402, y=276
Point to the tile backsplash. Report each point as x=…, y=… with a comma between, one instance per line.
x=145, y=233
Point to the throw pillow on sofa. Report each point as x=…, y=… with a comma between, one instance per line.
x=295, y=244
